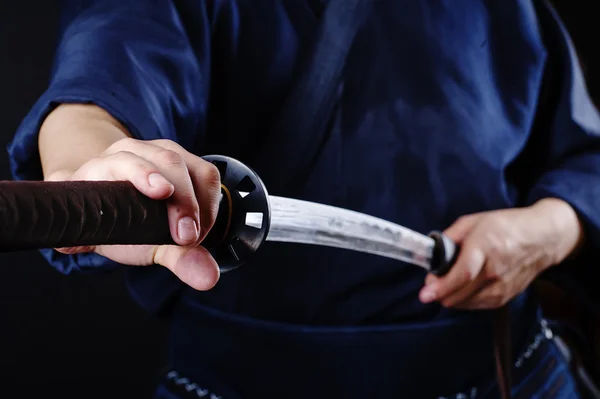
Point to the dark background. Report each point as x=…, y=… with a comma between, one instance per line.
x=82, y=337
x=65, y=337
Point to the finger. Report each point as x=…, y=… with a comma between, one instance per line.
x=463, y=294
x=461, y=227
x=127, y=166
x=487, y=296
x=206, y=180
x=457, y=232
x=497, y=293
x=183, y=208
x=207, y=183
x=430, y=278
x=469, y=264
x=193, y=265
x=75, y=250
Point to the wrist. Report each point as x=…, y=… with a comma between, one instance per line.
x=565, y=227
x=76, y=115
x=71, y=135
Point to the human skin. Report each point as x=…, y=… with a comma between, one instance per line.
x=84, y=142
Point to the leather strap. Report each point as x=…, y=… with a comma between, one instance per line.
x=502, y=350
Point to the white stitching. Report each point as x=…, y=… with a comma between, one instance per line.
x=190, y=386
x=544, y=334
x=471, y=395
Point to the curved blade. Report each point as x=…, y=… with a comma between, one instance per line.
x=306, y=222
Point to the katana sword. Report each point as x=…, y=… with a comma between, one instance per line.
x=39, y=214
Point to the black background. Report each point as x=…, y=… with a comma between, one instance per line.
x=82, y=337
x=66, y=337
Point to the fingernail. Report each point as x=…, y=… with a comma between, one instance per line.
x=157, y=180
x=186, y=229
x=427, y=295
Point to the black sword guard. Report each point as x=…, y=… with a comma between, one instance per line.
x=231, y=240
x=445, y=252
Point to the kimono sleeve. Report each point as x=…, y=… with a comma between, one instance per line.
x=569, y=157
x=132, y=58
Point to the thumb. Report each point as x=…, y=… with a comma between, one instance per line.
x=194, y=266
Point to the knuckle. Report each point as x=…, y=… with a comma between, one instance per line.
x=168, y=158
x=121, y=156
x=94, y=169
x=140, y=171
x=124, y=143
x=188, y=197
x=494, y=251
x=210, y=181
x=469, y=274
x=493, y=272
x=92, y=164
x=126, y=164
x=211, y=176
x=167, y=144
x=474, y=262
x=464, y=219
x=500, y=249
x=509, y=245
x=502, y=244
x=128, y=141
x=189, y=202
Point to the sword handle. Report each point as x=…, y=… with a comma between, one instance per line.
x=445, y=252
x=40, y=214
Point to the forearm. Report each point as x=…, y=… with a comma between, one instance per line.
x=144, y=73
x=73, y=134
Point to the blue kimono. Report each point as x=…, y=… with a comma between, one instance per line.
x=447, y=108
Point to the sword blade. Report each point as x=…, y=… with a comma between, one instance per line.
x=304, y=222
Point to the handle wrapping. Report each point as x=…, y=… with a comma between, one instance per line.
x=39, y=214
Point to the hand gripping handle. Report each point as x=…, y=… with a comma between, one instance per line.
x=38, y=214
